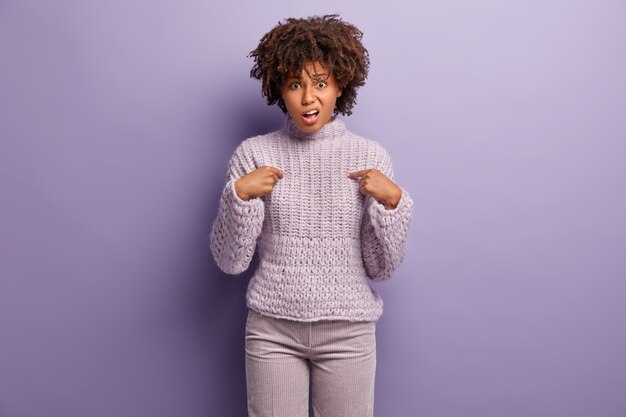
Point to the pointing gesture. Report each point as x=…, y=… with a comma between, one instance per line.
x=374, y=183
x=257, y=183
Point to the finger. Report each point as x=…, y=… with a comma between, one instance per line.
x=277, y=171
x=362, y=189
x=360, y=173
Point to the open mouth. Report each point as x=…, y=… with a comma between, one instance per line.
x=310, y=117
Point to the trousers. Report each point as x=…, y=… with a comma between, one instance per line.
x=336, y=357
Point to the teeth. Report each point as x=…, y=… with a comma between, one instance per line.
x=311, y=112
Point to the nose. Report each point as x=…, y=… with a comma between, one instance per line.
x=307, y=96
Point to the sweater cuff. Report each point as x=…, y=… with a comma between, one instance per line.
x=383, y=217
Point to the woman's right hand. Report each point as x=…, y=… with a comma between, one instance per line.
x=257, y=183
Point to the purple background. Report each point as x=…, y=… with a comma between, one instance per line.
x=505, y=121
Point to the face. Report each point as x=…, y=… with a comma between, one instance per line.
x=310, y=96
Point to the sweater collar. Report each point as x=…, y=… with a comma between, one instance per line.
x=334, y=128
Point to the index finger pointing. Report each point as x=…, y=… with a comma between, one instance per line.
x=360, y=173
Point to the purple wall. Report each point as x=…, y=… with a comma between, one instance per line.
x=505, y=120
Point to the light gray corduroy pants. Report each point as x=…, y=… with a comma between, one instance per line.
x=342, y=358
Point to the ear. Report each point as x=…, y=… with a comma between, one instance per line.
x=339, y=93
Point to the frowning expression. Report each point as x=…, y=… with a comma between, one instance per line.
x=310, y=96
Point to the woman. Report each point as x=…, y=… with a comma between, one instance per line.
x=320, y=204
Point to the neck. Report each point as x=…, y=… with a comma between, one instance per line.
x=334, y=128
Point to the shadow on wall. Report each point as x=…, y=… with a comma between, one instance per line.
x=217, y=300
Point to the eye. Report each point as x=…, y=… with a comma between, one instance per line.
x=294, y=86
x=321, y=84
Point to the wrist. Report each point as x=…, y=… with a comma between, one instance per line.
x=393, y=201
x=243, y=196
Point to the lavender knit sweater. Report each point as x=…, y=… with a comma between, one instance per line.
x=319, y=239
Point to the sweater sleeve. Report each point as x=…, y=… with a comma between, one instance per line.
x=384, y=232
x=238, y=222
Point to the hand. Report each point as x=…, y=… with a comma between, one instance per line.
x=374, y=183
x=258, y=183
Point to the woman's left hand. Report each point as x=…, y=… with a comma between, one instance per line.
x=374, y=183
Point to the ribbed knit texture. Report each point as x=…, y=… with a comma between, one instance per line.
x=319, y=238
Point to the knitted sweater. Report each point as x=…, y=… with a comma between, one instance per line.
x=319, y=238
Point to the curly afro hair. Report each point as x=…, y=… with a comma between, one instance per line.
x=284, y=50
